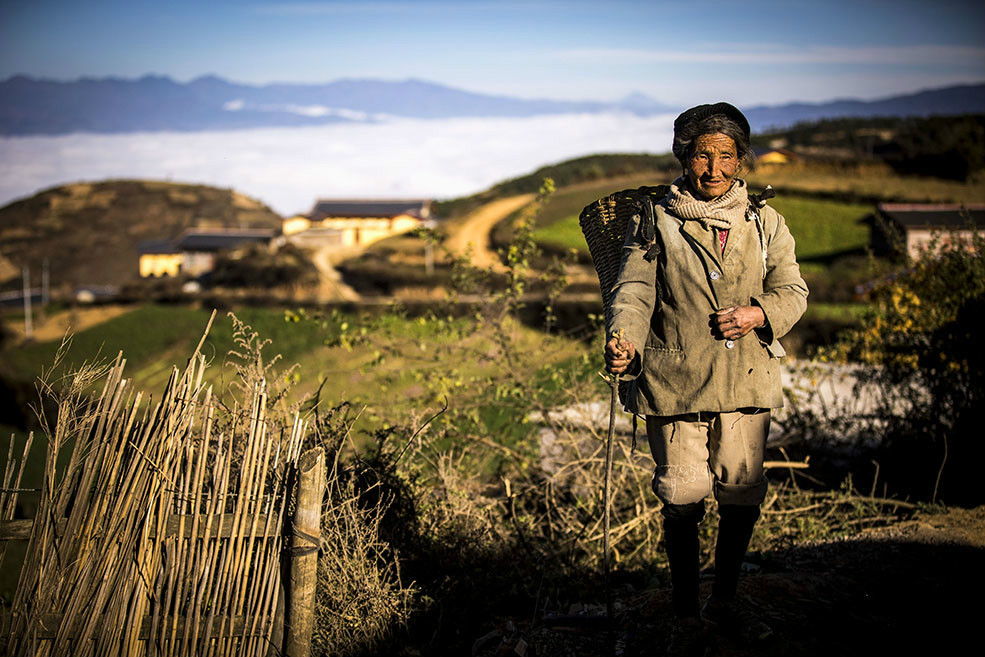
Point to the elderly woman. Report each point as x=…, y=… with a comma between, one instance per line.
x=695, y=328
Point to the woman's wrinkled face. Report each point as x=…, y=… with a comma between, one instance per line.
x=712, y=165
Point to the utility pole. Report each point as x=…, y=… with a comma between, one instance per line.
x=429, y=235
x=28, y=324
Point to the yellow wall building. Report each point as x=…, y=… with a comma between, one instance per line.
x=193, y=253
x=296, y=224
x=155, y=265
x=773, y=156
x=159, y=258
x=357, y=223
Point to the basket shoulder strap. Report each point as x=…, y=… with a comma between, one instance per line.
x=604, y=223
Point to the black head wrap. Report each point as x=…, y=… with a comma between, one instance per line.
x=687, y=125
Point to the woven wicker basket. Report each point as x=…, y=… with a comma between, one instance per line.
x=604, y=225
x=604, y=222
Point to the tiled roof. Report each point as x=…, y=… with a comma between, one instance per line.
x=369, y=208
x=919, y=215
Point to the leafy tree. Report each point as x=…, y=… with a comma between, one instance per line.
x=944, y=147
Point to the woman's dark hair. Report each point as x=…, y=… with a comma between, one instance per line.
x=706, y=120
x=685, y=137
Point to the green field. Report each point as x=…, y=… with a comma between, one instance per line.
x=558, y=219
x=153, y=338
x=390, y=362
x=822, y=228
x=841, y=312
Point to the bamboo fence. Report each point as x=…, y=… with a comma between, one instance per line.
x=164, y=533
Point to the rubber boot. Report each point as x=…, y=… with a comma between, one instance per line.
x=734, y=531
x=681, y=539
x=724, y=610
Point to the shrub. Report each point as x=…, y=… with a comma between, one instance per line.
x=920, y=343
x=360, y=599
x=259, y=267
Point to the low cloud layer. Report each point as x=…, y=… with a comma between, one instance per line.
x=288, y=168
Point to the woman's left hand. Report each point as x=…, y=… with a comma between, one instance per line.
x=735, y=322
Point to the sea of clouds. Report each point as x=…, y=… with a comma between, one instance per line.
x=288, y=168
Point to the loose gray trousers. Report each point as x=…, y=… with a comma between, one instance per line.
x=699, y=454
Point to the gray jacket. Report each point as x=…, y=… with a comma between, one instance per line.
x=685, y=368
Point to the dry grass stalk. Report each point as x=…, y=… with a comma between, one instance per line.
x=360, y=601
x=135, y=471
x=567, y=502
x=12, y=485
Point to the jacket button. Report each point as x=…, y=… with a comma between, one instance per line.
x=714, y=275
x=729, y=344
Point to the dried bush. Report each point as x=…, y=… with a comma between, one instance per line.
x=360, y=599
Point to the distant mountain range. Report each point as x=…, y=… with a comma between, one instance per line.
x=31, y=106
x=958, y=99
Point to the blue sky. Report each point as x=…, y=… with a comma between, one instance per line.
x=677, y=52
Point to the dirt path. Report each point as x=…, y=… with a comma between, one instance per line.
x=54, y=326
x=475, y=230
x=910, y=588
x=331, y=286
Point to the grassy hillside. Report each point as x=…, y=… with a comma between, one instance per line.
x=558, y=221
x=359, y=357
x=822, y=227
x=89, y=231
x=570, y=172
x=867, y=183
x=823, y=201
x=153, y=338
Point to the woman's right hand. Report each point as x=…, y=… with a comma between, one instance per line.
x=619, y=354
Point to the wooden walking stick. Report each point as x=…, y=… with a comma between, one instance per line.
x=613, y=381
x=604, y=223
x=614, y=384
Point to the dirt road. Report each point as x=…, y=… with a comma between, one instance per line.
x=905, y=589
x=55, y=326
x=475, y=230
x=331, y=286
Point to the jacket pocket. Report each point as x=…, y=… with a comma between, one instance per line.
x=775, y=349
x=666, y=370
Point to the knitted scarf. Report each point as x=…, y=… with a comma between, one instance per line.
x=717, y=213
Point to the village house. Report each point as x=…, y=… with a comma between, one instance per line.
x=158, y=258
x=773, y=155
x=355, y=222
x=193, y=253
x=913, y=226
